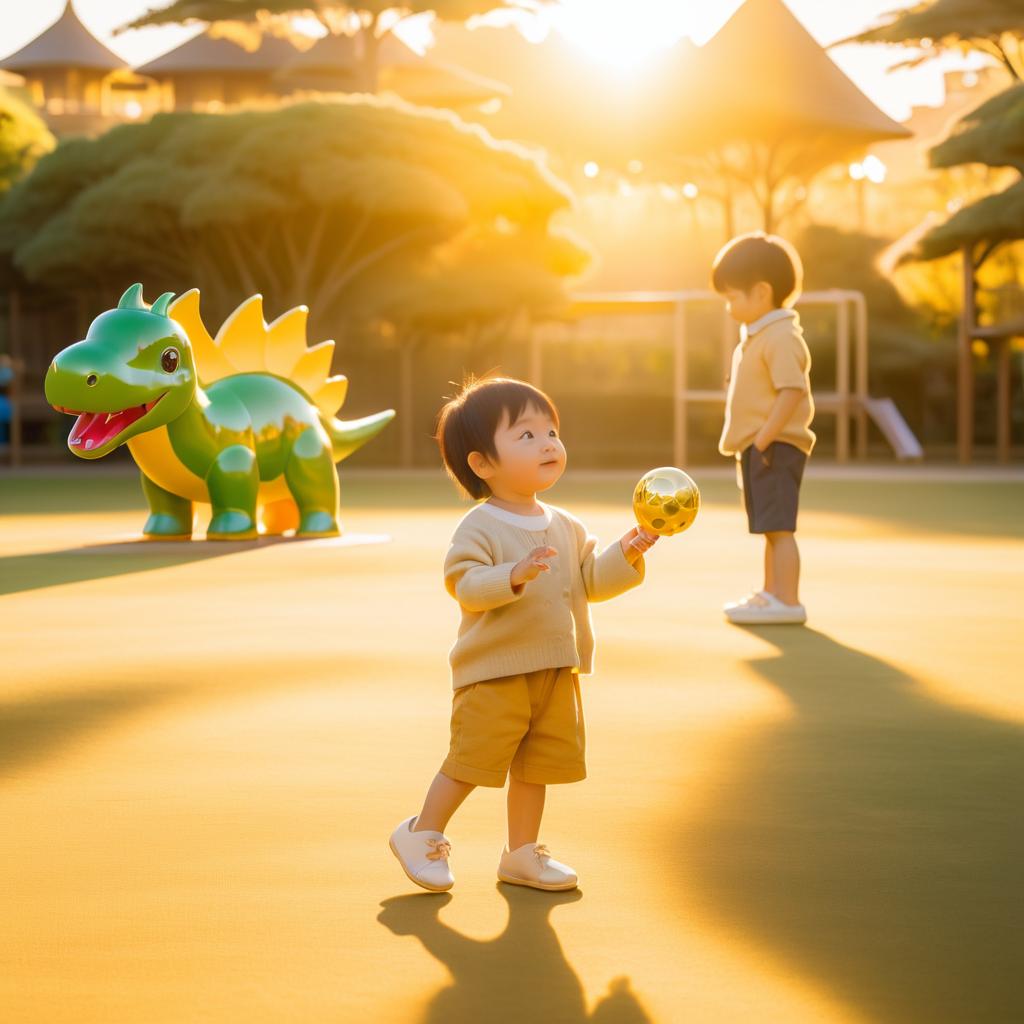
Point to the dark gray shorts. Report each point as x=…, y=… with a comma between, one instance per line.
x=771, y=486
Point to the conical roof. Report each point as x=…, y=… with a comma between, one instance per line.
x=204, y=53
x=764, y=77
x=66, y=43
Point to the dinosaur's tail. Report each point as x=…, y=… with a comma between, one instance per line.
x=349, y=435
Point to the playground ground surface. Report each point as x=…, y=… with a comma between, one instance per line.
x=203, y=749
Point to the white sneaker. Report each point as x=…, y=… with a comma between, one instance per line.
x=765, y=609
x=533, y=865
x=746, y=599
x=423, y=856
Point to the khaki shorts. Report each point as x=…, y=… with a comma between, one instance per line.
x=530, y=723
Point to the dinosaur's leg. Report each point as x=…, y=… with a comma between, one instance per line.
x=313, y=481
x=233, y=482
x=278, y=516
x=170, y=516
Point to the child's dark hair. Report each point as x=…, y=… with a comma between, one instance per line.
x=468, y=422
x=755, y=257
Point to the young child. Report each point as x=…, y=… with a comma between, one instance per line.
x=522, y=572
x=768, y=411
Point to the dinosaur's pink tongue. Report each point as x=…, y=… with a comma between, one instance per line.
x=95, y=429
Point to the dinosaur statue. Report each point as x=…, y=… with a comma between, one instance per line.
x=244, y=421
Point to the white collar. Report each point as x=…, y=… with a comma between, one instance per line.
x=535, y=523
x=749, y=330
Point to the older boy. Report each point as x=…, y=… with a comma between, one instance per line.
x=768, y=412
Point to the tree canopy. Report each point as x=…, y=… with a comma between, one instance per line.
x=24, y=138
x=992, y=134
x=310, y=203
x=989, y=135
x=372, y=19
x=994, y=27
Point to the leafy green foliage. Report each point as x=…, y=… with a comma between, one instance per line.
x=995, y=27
x=23, y=139
x=327, y=204
x=992, y=134
x=992, y=220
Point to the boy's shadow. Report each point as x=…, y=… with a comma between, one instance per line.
x=874, y=838
x=520, y=975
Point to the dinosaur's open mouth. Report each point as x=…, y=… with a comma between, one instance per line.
x=95, y=429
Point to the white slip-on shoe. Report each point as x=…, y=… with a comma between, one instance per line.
x=533, y=865
x=766, y=609
x=423, y=856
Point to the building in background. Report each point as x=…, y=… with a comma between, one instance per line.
x=82, y=87
x=77, y=84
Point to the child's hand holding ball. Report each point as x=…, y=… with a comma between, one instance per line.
x=635, y=542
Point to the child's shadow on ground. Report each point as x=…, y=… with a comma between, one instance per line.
x=873, y=838
x=520, y=975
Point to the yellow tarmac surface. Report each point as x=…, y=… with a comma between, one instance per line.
x=204, y=748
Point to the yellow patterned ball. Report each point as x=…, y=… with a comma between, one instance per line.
x=666, y=501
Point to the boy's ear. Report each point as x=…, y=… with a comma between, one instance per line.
x=480, y=465
x=762, y=291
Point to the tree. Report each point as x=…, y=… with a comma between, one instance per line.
x=303, y=203
x=993, y=27
x=481, y=286
x=996, y=28
x=24, y=138
x=990, y=135
x=373, y=20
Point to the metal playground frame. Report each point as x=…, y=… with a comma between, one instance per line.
x=845, y=402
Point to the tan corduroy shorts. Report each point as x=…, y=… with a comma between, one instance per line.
x=531, y=723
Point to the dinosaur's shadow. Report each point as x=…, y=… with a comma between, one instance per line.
x=873, y=839
x=522, y=974
x=19, y=573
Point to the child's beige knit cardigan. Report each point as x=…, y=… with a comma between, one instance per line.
x=546, y=624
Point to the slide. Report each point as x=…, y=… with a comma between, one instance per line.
x=887, y=418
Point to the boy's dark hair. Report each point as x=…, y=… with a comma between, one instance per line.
x=755, y=257
x=468, y=422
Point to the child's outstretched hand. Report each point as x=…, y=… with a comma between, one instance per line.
x=532, y=565
x=635, y=542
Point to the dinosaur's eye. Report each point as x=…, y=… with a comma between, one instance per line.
x=169, y=360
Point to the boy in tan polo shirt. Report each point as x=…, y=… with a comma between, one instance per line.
x=768, y=412
x=523, y=573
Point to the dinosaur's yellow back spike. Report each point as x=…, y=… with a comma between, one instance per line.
x=242, y=337
x=286, y=341
x=210, y=364
x=312, y=369
x=330, y=396
x=246, y=344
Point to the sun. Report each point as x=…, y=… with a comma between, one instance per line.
x=623, y=34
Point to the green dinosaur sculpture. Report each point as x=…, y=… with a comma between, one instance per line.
x=244, y=422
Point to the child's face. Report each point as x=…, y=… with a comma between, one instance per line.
x=747, y=306
x=531, y=457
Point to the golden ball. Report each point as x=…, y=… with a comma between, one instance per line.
x=666, y=501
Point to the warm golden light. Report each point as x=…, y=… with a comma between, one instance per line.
x=619, y=34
